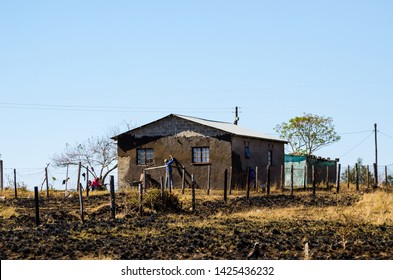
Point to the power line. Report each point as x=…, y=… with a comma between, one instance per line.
x=357, y=145
x=385, y=134
x=355, y=132
x=121, y=109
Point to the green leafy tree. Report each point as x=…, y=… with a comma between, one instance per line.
x=308, y=133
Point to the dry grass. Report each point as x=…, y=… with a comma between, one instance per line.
x=373, y=208
x=8, y=212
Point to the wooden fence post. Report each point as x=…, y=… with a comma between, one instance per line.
x=140, y=199
x=208, y=180
x=1, y=176
x=37, y=207
x=112, y=191
x=291, y=180
x=256, y=178
x=314, y=183
x=81, y=206
x=16, y=191
x=327, y=177
x=248, y=183
x=230, y=180
x=225, y=185
x=348, y=174
x=183, y=182
x=66, y=182
x=193, y=200
x=78, y=187
x=386, y=175
x=357, y=176
x=268, y=179
x=144, y=180
x=338, y=178
x=87, y=181
x=47, y=182
x=368, y=176
x=162, y=188
x=78, y=179
x=282, y=179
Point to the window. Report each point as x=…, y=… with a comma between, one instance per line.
x=145, y=156
x=200, y=155
x=247, y=152
x=270, y=157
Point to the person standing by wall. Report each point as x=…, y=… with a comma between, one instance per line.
x=169, y=175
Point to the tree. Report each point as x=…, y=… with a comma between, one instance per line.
x=362, y=169
x=97, y=153
x=308, y=133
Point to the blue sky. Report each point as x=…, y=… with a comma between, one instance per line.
x=70, y=70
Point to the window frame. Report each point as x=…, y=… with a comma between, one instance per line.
x=203, y=155
x=146, y=160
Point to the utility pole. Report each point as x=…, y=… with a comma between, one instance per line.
x=236, y=115
x=376, y=156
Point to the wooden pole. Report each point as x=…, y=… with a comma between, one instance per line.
x=78, y=179
x=193, y=193
x=80, y=194
x=1, y=176
x=144, y=180
x=66, y=181
x=16, y=191
x=314, y=183
x=327, y=177
x=208, y=179
x=375, y=175
x=357, y=176
x=87, y=181
x=305, y=178
x=291, y=180
x=376, y=156
x=282, y=185
x=268, y=180
x=248, y=183
x=230, y=180
x=47, y=182
x=225, y=185
x=112, y=191
x=256, y=178
x=386, y=175
x=81, y=205
x=162, y=188
x=183, y=182
x=348, y=175
x=338, y=178
x=37, y=207
x=140, y=200
x=368, y=176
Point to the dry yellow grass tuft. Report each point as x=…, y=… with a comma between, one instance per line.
x=8, y=212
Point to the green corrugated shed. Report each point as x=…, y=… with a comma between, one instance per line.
x=300, y=172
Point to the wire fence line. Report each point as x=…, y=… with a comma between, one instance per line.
x=28, y=178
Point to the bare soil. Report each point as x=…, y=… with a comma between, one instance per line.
x=215, y=230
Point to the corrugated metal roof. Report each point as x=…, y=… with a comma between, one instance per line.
x=224, y=126
x=231, y=128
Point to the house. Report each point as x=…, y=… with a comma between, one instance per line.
x=325, y=170
x=202, y=147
